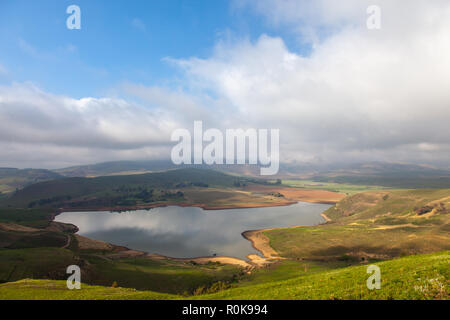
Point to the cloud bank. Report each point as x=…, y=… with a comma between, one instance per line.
x=358, y=95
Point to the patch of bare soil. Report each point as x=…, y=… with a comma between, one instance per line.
x=205, y=260
x=299, y=194
x=323, y=215
x=389, y=227
x=261, y=243
x=61, y=227
x=89, y=244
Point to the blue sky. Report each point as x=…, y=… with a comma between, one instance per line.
x=337, y=90
x=120, y=41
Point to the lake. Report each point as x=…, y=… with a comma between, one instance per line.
x=187, y=232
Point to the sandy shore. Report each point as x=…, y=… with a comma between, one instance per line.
x=262, y=243
x=323, y=215
x=259, y=242
x=258, y=239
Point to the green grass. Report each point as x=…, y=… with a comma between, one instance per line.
x=394, y=179
x=157, y=275
x=414, y=277
x=288, y=269
x=57, y=290
x=36, y=218
x=349, y=189
x=35, y=263
x=372, y=225
x=99, y=269
x=22, y=240
x=12, y=179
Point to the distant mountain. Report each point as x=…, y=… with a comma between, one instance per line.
x=139, y=167
x=116, y=168
x=372, y=173
x=394, y=175
x=385, y=168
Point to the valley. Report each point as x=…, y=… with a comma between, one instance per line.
x=365, y=226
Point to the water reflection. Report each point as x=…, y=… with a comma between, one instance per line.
x=190, y=232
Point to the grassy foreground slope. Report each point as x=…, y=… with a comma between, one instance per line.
x=107, y=268
x=414, y=277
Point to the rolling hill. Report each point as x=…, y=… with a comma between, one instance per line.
x=395, y=175
x=12, y=178
x=392, y=175
x=150, y=186
x=372, y=225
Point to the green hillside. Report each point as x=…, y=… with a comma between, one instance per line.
x=393, y=175
x=115, y=168
x=104, y=268
x=12, y=179
x=118, y=190
x=414, y=277
x=373, y=225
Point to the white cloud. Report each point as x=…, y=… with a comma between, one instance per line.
x=359, y=95
x=41, y=124
x=374, y=94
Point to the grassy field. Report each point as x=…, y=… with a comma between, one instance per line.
x=165, y=276
x=57, y=290
x=223, y=198
x=38, y=263
x=414, y=277
x=348, y=189
x=12, y=179
x=100, y=269
x=391, y=179
x=372, y=225
x=39, y=218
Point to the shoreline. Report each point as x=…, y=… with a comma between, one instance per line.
x=259, y=241
x=198, y=205
x=327, y=219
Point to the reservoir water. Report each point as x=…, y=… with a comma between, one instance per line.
x=186, y=232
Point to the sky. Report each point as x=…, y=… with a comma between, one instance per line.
x=138, y=70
